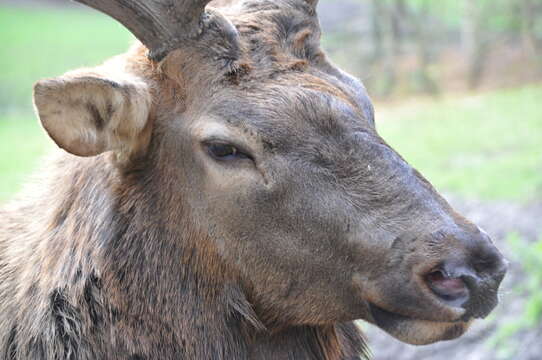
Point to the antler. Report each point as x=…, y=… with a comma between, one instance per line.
x=161, y=25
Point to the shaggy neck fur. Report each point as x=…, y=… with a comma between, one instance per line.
x=96, y=270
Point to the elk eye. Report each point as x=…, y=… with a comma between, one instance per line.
x=225, y=152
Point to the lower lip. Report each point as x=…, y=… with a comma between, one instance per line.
x=386, y=318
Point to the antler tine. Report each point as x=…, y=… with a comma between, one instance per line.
x=162, y=25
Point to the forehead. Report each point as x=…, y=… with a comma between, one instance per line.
x=283, y=113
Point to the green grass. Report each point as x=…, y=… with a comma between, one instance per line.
x=487, y=146
x=22, y=145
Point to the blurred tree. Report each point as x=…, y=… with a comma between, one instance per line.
x=529, y=14
x=394, y=22
x=475, y=40
x=386, y=44
x=423, y=34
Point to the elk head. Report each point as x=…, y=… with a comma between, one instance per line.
x=273, y=153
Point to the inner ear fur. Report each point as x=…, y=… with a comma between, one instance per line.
x=90, y=112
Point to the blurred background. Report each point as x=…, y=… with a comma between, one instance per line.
x=457, y=86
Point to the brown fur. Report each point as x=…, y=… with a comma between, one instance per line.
x=147, y=248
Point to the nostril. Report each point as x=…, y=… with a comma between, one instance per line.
x=453, y=290
x=492, y=265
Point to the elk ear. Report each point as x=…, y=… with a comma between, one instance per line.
x=87, y=114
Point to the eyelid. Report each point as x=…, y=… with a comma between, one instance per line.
x=218, y=140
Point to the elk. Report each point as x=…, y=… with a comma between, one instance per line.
x=222, y=193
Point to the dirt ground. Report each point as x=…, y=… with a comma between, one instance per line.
x=498, y=219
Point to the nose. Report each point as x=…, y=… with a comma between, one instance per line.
x=470, y=275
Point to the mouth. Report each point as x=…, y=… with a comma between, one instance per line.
x=416, y=331
x=386, y=319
